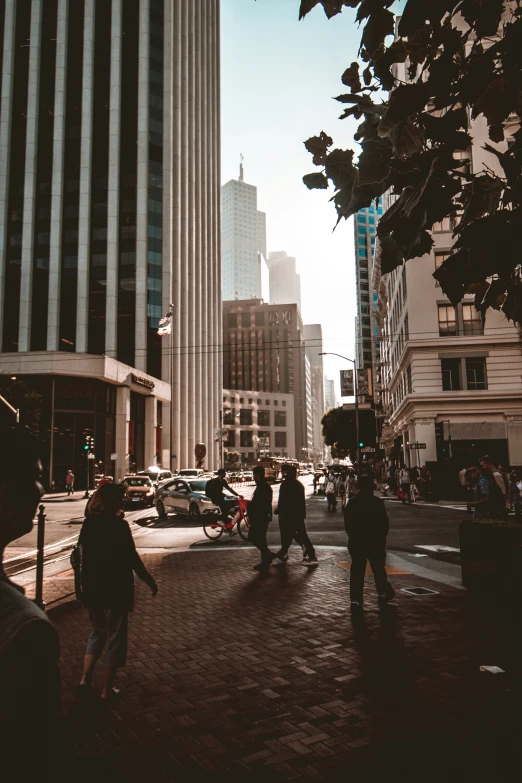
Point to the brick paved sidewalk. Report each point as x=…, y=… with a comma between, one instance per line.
x=240, y=676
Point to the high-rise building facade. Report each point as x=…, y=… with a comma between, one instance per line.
x=365, y=227
x=285, y=282
x=243, y=238
x=263, y=352
x=110, y=212
x=330, y=400
x=313, y=337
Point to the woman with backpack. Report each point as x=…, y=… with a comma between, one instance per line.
x=108, y=563
x=331, y=491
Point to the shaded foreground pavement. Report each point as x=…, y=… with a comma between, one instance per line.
x=233, y=675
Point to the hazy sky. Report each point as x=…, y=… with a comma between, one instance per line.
x=278, y=79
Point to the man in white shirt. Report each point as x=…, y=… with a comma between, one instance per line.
x=405, y=482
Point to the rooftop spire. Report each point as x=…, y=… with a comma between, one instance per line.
x=241, y=159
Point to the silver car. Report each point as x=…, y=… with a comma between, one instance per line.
x=185, y=497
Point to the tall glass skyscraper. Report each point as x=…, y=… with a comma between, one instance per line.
x=365, y=230
x=110, y=213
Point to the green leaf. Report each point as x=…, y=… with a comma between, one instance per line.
x=482, y=197
x=318, y=146
x=351, y=78
x=316, y=181
x=407, y=139
x=379, y=25
x=340, y=169
x=374, y=161
x=497, y=101
x=406, y=100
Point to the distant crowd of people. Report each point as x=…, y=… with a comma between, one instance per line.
x=489, y=491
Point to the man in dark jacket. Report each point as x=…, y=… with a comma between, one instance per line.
x=367, y=525
x=291, y=509
x=259, y=515
x=214, y=490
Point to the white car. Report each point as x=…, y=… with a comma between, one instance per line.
x=185, y=497
x=191, y=472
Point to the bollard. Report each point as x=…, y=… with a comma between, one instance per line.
x=40, y=538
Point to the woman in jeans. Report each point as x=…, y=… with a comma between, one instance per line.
x=109, y=561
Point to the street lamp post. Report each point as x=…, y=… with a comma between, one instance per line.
x=358, y=450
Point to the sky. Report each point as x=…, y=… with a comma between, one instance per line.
x=278, y=78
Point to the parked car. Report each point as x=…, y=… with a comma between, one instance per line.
x=155, y=474
x=248, y=475
x=138, y=490
x=186, y=497
x=191, y=472
x=97, y=478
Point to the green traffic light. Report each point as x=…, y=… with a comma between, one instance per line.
x=361, y=445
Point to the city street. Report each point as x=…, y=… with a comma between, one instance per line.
x=411, y=527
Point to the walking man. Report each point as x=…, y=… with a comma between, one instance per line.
x=291, y=509
x=260, y=514
x=367, y=525
x=69, y=482
x=331, y=491
x=497, y=487
x=405, y=484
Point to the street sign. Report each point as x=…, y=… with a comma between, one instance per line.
x=367, y=449
x=113, y=457
x=91, y=456
x=347, y=387
x=417, y=445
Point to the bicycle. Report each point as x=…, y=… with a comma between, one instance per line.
x=215, y=528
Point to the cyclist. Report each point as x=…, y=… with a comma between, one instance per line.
x=214, y=490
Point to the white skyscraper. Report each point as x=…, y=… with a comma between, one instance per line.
x=243, y=237
x=285, y=283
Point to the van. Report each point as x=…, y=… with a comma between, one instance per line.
x=156, y=474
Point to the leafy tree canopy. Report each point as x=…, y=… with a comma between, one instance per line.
x=463, y=59
x=338, y=431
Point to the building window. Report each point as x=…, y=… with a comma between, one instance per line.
x=471, y=320
x=284, y=403
x=230, y=438
x=439, y=260
x=263, y=418
x=409, y=385
x=245, y=438
x=276, y=402
x=250, y=400
x=263, y=440
x=228, y=416
x=476, y=374
x=447, y=321
x=451, y=380
x=245, y=416
x=267, y=402
x=232, y=320
x=443, y=225
x=280, y=419
x=260, y=319
x=280, y=440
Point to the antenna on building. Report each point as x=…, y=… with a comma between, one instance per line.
x=241, y=160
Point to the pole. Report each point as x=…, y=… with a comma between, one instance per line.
x=220, y=438
x=38, y=598
x=358, y=449
x=51, y=445
x=171, y=408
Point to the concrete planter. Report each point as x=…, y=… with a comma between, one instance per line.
x=491, y=556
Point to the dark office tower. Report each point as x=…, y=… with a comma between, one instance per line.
x=109, y=213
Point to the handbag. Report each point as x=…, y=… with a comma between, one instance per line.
x=401, y=494
x=77, y=564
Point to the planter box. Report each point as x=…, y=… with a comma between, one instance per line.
x=491, y=556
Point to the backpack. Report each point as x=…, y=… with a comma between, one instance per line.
x=330, y=488
x=497, y=498
x=77, y=564
x=213, y=489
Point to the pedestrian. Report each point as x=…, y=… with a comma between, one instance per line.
x=366, y=523
x=214, y=490
x=109, y=560
x=29, y=645
x=352, y=485
x=425, y=482
x=331, y=491
x=342, y=488
x=515, y=493
x=316, y=482
x=414, y=478
x=464, y=484
x=69, y=482
x=405, y=484
x=291, y=508
x=498, y=490
x=482, y=502
x=259, y=515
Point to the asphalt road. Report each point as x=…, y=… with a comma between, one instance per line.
x=418, y=524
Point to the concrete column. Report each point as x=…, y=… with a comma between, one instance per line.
x=425, y=433
x=199, y=355
x=216, y=138
x=84, y=221
x=113, y=197
x=175, y=419
x=167, y=233
x=55, y=254
x=514, y=437
x=151, y=422
x=121, y=465
x=208, y=308
x=193, y=353
x=31, y=155
x=6, y=108
x=183, y=208
x=405, y=451
x=142, y=179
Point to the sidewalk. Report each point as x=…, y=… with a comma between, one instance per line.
x=240, y=676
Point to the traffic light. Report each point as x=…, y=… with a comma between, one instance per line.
x=89, y=443
x=439, y=432
x=361, y=444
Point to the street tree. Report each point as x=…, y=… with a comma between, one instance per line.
x=463, y=59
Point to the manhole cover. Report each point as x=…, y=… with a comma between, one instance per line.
x=419, y=591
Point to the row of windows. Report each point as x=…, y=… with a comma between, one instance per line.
x=246, y=417
x=246, y=439
x=251, y=401
x=461, y=320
